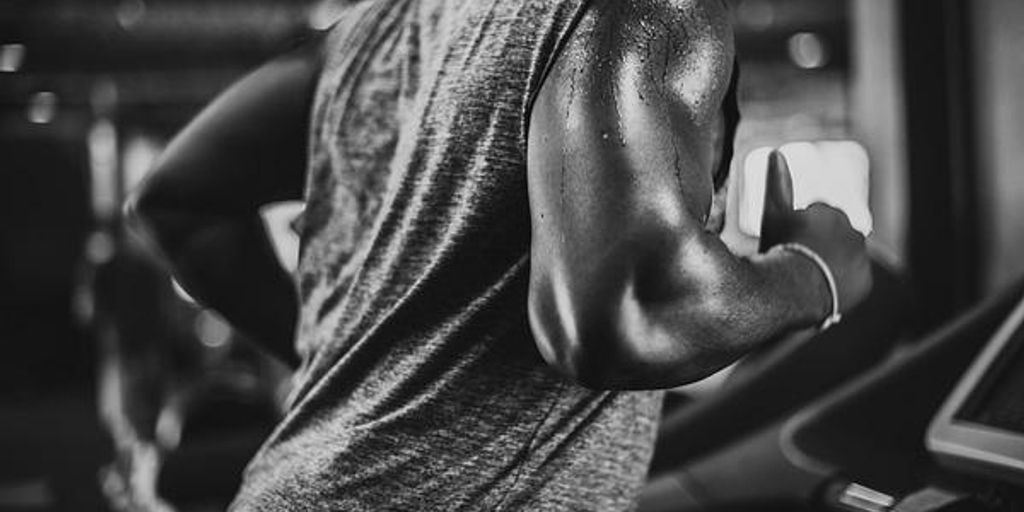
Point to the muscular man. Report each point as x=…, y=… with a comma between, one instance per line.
x=505, y=242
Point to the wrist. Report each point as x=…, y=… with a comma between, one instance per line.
x=825, y=282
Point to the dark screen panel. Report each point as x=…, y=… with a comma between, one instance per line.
x=998, y=399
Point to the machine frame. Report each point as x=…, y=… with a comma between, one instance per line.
x=974, y=447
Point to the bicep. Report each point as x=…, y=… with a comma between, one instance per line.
x=245, y=149
x=620, y=147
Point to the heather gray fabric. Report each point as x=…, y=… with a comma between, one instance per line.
x=421, y=388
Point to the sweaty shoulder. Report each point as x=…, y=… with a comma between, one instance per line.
x=637, y=90
x=679, y=51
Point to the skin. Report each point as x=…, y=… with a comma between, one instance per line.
x=630, y=286
x=200, y=205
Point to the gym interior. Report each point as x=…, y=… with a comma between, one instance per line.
x=118, y=391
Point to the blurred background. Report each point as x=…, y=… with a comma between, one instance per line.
x=117, y=392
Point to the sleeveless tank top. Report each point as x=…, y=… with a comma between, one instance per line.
x=421, y=387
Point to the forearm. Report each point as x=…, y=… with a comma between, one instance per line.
x=711, y=320
x=666, y=318
x=228, y=264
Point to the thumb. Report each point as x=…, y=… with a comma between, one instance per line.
x=778, y=189
x=778, y=199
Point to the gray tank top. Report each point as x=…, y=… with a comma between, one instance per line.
x=421, y=388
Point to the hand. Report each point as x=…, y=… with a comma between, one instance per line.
x=822, y=228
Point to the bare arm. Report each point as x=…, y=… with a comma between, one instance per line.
x=200, y=206
x=627, y=288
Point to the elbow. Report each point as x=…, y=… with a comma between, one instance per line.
x=578, y=357
x=142, y=214
x=581, y=360
x=142, y=202
x=618, y=344
x=157, y=222
x=132, y=211
x=565, y=337
x=136, y=211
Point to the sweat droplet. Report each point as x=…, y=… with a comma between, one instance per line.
x=604, y=135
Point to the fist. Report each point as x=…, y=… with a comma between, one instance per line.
x=822, y=228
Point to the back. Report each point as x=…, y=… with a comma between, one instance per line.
x=421, y=387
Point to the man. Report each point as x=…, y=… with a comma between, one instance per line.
x=506, y=218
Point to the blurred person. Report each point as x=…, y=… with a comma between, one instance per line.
x=154, y=373
x=143, y=342
x=509, y=243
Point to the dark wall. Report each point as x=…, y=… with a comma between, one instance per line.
x=44, y=218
